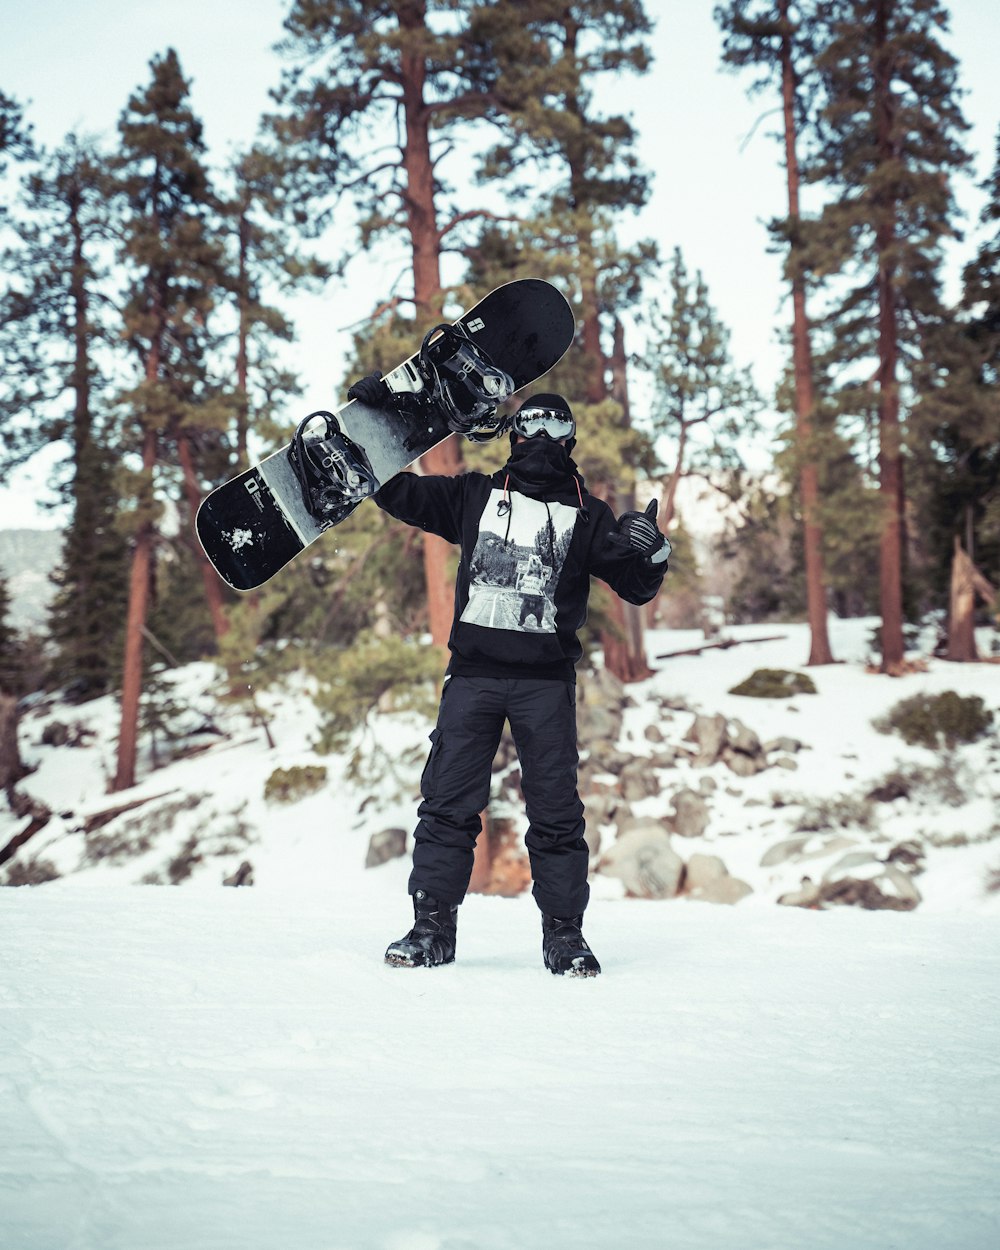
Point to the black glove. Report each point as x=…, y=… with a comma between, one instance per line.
x=370, y=390
x=638, y=531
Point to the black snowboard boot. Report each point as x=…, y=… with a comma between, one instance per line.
x=565, y=949
x=431, y=940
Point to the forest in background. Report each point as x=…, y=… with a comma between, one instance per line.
x=143, y=328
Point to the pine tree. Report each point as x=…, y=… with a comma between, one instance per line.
x=16, y=142
x=771, y=36
x=702, y=403
x=587, y=174
x=957, y=419
x=888, y=140
x=264, y=261
x=174, y=262
x=376, y=93
x=55, y=339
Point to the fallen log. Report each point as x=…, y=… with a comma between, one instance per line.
x=719, y=646
x=97, y=820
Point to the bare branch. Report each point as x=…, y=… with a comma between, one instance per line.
x=753, y=129
x=384, y=307
x=468, y=216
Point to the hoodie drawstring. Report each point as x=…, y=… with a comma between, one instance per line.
x=504, y=508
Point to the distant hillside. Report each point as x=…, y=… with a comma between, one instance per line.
x=27, y=559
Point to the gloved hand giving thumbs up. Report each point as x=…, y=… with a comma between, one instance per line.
x=639, y=532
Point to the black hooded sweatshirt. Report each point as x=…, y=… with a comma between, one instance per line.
x=530, y=536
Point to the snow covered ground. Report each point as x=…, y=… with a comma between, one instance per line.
x=203, y=1067
x=185, y=1069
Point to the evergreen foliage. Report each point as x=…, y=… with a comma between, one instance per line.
x=383, y=674
x=774, y=683
x=957, y=419
x=703, y=403
x=887, y=142
x=937, y=720
x=288, y=785
x=56, y=336
x=175, y=415
x=10, y=647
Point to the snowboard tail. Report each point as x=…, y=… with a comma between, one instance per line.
x=256, y=523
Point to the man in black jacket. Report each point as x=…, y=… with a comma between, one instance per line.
x=530, y=537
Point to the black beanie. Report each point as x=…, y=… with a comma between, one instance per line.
x=557, y=403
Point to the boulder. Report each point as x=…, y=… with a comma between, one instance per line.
x=858, y=879
x=909, y=856
x=638, y=781
x=790, y=746
x=386, y=845
x=595, y=721
x=725, y=890
x=510, y=872
x=743, y=739
x=645, y=862
x=891, y=889
x=709, y=734
x=702, y=870
x=600, y=698
x=807, y=895
x=691, y=814
x=791, y=849
x=242, y=876
x=599, y=808
x=653, y=733
x=741, y=764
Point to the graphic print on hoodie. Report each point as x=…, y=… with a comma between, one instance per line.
x=515, y=567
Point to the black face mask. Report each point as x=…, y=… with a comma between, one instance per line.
x=539, y=464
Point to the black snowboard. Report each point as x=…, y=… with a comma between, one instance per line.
x=254, y=524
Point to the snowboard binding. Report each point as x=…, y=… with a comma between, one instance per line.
x=334, y=473
x=464, y=383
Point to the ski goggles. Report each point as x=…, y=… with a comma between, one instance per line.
x=551, y=421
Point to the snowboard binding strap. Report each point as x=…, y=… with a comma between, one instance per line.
x=333, y=472
x=464, y=383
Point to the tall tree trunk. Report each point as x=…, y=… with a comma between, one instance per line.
x=242, y=371
x=85, y=521
x=634, y=658
x=819, y=641
x=622, y=655
x=210, y=579
x=446, y=458
x=138, y=604
x=966, y=583
x=890, y=433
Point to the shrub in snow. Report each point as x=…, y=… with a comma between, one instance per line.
x=937, y=720
x=774, y=683
x=844, y=811
x=31, y=872
x=946, y=783
x=288, y=785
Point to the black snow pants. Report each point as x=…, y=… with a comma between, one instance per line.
x=456, y=788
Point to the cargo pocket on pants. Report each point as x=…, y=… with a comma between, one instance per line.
x=430, y=768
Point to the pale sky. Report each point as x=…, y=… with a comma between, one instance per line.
x=73, y=64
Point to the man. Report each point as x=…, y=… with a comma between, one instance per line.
x=530, y=538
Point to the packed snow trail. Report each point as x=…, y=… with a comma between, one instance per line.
x=201, y=1068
